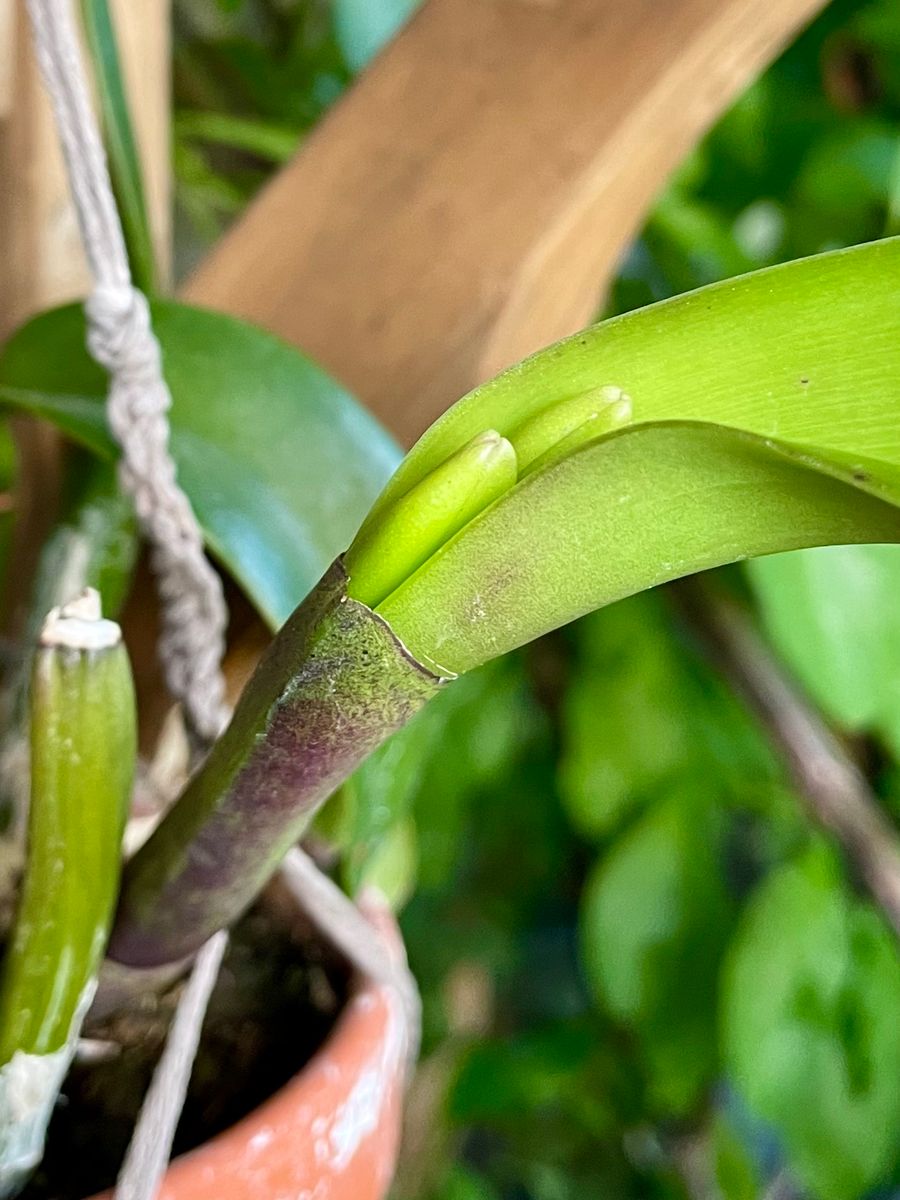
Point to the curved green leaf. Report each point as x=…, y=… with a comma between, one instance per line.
x=807, y=352
x=628, y=511
x=279, y=462
x=781, y=374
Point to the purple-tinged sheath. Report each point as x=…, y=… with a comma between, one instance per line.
x=334, y=684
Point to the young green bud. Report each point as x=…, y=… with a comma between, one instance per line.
x=614, y=416
x=419, y=523
x=557, y=422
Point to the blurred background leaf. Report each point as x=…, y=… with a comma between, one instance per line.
x=810, y=1001
x=362, y=27
x=274, y=526
x=832, y=612
x=655, y=920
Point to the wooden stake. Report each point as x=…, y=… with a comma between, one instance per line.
x=41, y=259
x=7, y=55
x=40, y=249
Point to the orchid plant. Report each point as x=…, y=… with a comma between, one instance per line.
x=746, y=418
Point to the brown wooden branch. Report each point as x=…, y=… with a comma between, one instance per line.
x=833, y=789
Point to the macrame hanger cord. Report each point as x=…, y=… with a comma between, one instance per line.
x=120, y=337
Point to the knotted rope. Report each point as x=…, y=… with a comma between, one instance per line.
x=121, y=339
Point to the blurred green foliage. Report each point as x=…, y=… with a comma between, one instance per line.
x=817, y=1049
x=251, y=77
x=644, y=973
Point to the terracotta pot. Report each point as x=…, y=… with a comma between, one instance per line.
x=332, y=1133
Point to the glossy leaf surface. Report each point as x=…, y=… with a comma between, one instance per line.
x=790, y=380
x=806, y=353
x=278, y=460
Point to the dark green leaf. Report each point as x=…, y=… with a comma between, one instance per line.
x=279, y=462
x=501, y=1081
x=622, y=729
x=642, y=711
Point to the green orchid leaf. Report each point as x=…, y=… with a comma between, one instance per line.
x=278, y=460
x=626, y=512
x=737, y=396
x=807, y=352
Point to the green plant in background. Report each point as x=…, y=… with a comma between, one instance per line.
x=736, y=1008
x=252, y=77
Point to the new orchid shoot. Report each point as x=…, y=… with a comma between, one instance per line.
x=747, y=418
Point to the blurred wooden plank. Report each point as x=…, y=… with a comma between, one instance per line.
x=39, y=240
x=38, y=235
x=7, y=55
x=466, y=202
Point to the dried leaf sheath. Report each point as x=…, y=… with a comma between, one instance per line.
x=334, y=684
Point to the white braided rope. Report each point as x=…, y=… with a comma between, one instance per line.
x=148, y=1154
x=121, y=339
